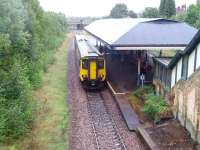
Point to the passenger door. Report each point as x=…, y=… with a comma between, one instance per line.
x=93, y=70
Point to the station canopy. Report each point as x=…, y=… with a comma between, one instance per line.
x=142, y=33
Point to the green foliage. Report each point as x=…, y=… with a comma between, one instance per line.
x=167, y=8
x=179, y=17
x=198, y=2
x=132, y=14
x=191, y=16
x=162, y=7
x=154, y=106
x=119, y=11
x=143, y=92
x=28, y=38
x=15, y=105
x=150, y=12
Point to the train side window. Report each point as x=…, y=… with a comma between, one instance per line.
x=85, y=64
x=100, y=64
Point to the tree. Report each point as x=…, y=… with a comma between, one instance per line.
x=162, y=7
x=132, y=14
x=191, y=16
x=198, y=2
x=119, y=11
x=28, y=38
x=150, y=12
x=167, y=8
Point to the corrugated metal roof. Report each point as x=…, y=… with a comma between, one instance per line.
x=85, y=48
x=153, y=33
x=142, y=32
x=110, y=30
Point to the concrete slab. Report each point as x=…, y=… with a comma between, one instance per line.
x=147, y=139
x=128, y=113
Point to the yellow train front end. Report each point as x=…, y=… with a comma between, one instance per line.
x=93, y=72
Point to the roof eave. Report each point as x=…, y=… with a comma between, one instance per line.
x=190, y=47
x=98, y=38
x=150, y=47
x=175, y=59
x=155, y=59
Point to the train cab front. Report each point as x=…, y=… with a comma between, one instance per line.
x=94, y=76
x=93, y=84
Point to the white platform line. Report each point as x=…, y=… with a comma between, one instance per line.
x=113, y=91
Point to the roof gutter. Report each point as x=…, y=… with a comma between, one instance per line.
x=150, y=48
x=190, y=47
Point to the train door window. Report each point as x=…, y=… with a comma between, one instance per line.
x=85, y=64
x=101, y=64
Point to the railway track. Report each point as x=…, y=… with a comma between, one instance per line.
x=104, y=128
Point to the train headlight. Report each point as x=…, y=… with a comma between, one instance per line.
x=84, y=76
x=102, y=76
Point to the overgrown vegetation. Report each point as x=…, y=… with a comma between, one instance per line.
x=154, y=106
x=143, y=92
x=28, y=37
x=50, y=129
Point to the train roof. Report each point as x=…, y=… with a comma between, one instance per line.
x=86, y=49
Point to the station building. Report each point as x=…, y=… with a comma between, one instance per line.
x=176, y=77
x=162, y=75
x=134, y=39
x=185, y=85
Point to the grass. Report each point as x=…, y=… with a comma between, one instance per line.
x=165, y=53
x=51, y=123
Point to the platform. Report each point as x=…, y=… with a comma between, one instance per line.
x=127, y=111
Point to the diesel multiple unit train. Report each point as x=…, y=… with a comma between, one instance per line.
x=91, y=64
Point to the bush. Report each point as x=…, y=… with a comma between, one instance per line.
x=15, y=106
x=143, y=92
x=155, y=106
x=15, y=118
x=28, y=39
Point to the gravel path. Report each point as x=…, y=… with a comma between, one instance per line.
x=81, y=129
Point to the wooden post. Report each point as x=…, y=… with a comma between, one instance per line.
x=139, y=65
